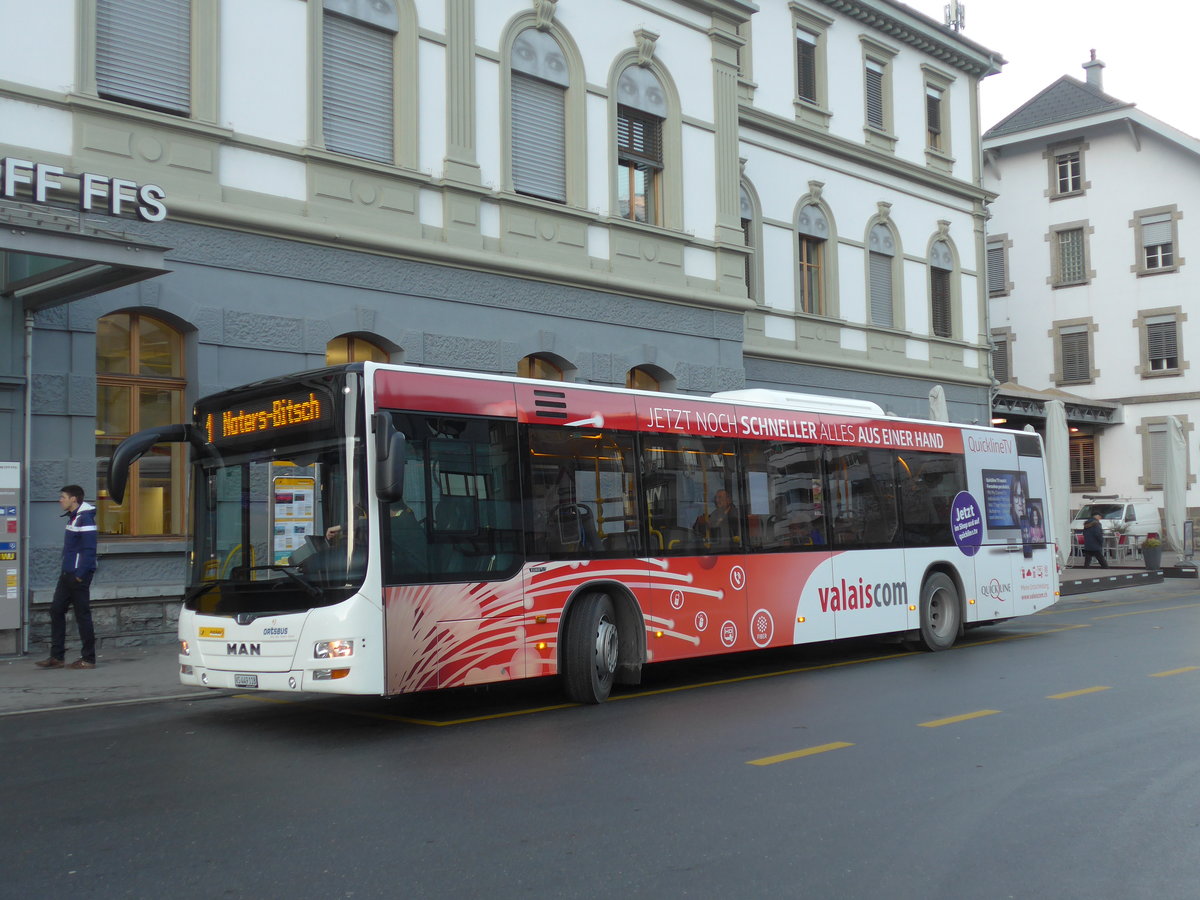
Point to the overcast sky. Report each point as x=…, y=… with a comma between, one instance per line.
x=1145, y=48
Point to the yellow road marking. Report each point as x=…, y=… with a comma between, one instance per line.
x=796, y=754
x=978, y=714
x=1142, y=612
x=1175, y=671
x=1091, y=690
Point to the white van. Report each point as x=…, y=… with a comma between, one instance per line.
x=1134, y=517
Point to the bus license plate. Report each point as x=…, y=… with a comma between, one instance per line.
x=245, y=681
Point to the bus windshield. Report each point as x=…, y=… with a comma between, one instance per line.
x=281, y=512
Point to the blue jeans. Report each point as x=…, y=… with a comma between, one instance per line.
x=72, y=592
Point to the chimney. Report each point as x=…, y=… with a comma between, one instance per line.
x=1095, y=72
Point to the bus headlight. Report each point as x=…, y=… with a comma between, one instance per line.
x=333, y=649
x=185, y=649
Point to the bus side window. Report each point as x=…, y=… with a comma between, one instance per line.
x=581, y=488
x=786, y=497
x=693, y=494
x=459, y=520
x=863, y=498
x=928, y=484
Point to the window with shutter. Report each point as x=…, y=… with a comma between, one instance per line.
x=1156, y=452
x=539, y=97
x=939, y=286
x=1158, y=241
x=881, y=290
x=997, y=270
x=1076, y=358
x=640, y=118
x=1082, y=452
x=881, y=246
x=144, y=53
x=357, y=101
x=933, y=118
x=873, y=77
x=1162, y=344
x=1000, y=360
x=806, y=65
x=746, y=204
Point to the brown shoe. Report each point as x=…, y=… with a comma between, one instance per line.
x=81, y=664
x=49, y=663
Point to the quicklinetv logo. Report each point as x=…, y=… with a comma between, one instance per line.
x=849, y=595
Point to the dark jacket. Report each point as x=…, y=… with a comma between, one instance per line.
x=1093, y=536
x=79, y=545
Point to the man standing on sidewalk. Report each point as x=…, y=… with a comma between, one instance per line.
x=1093, y=542
x=74, y=582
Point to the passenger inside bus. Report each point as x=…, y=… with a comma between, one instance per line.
x=720, y=527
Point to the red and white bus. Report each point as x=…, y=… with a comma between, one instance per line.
x=379, y=529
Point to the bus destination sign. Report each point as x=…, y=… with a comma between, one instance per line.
x=266, y=416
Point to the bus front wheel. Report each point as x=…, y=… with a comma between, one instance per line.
x=941, y=612
x=590, y=657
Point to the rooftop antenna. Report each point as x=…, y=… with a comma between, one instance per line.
x=956, y=15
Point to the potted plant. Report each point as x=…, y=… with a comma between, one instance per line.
x=1152, y=552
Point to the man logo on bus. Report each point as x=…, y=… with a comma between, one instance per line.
x=243, y=649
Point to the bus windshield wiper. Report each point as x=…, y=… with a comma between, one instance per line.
x=202, y=588
x=309, y=588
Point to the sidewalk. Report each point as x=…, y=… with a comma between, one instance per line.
x=122, y=675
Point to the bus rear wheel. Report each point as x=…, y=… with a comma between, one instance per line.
x=590, y=656
x=941, y=612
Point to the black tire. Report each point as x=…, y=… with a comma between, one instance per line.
x=590, y=655
x=941, y=612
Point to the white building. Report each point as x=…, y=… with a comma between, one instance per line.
x=693, y=195
x=1088, y=278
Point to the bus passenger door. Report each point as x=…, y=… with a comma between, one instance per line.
x=789, y=570
x=1034, y=566
x=1000, y=489
x=869, y=590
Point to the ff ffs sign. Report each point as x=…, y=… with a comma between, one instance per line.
x=97, y=193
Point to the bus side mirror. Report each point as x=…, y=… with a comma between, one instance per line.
x=389, y=460
x=135, y=447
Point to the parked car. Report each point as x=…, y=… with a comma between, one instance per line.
x=1133, y=518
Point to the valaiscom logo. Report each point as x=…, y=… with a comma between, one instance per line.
x=850, y=595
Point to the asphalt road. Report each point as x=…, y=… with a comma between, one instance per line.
x=1054, y=756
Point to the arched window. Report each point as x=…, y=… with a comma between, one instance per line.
x=812, y=228
x=751, y=231
x=881, y=250
x=941, y=304
x=539, y=99
x=648, y=378
x=641, y=111
x=542, y=367
x=348, y=349
x=139, y=384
